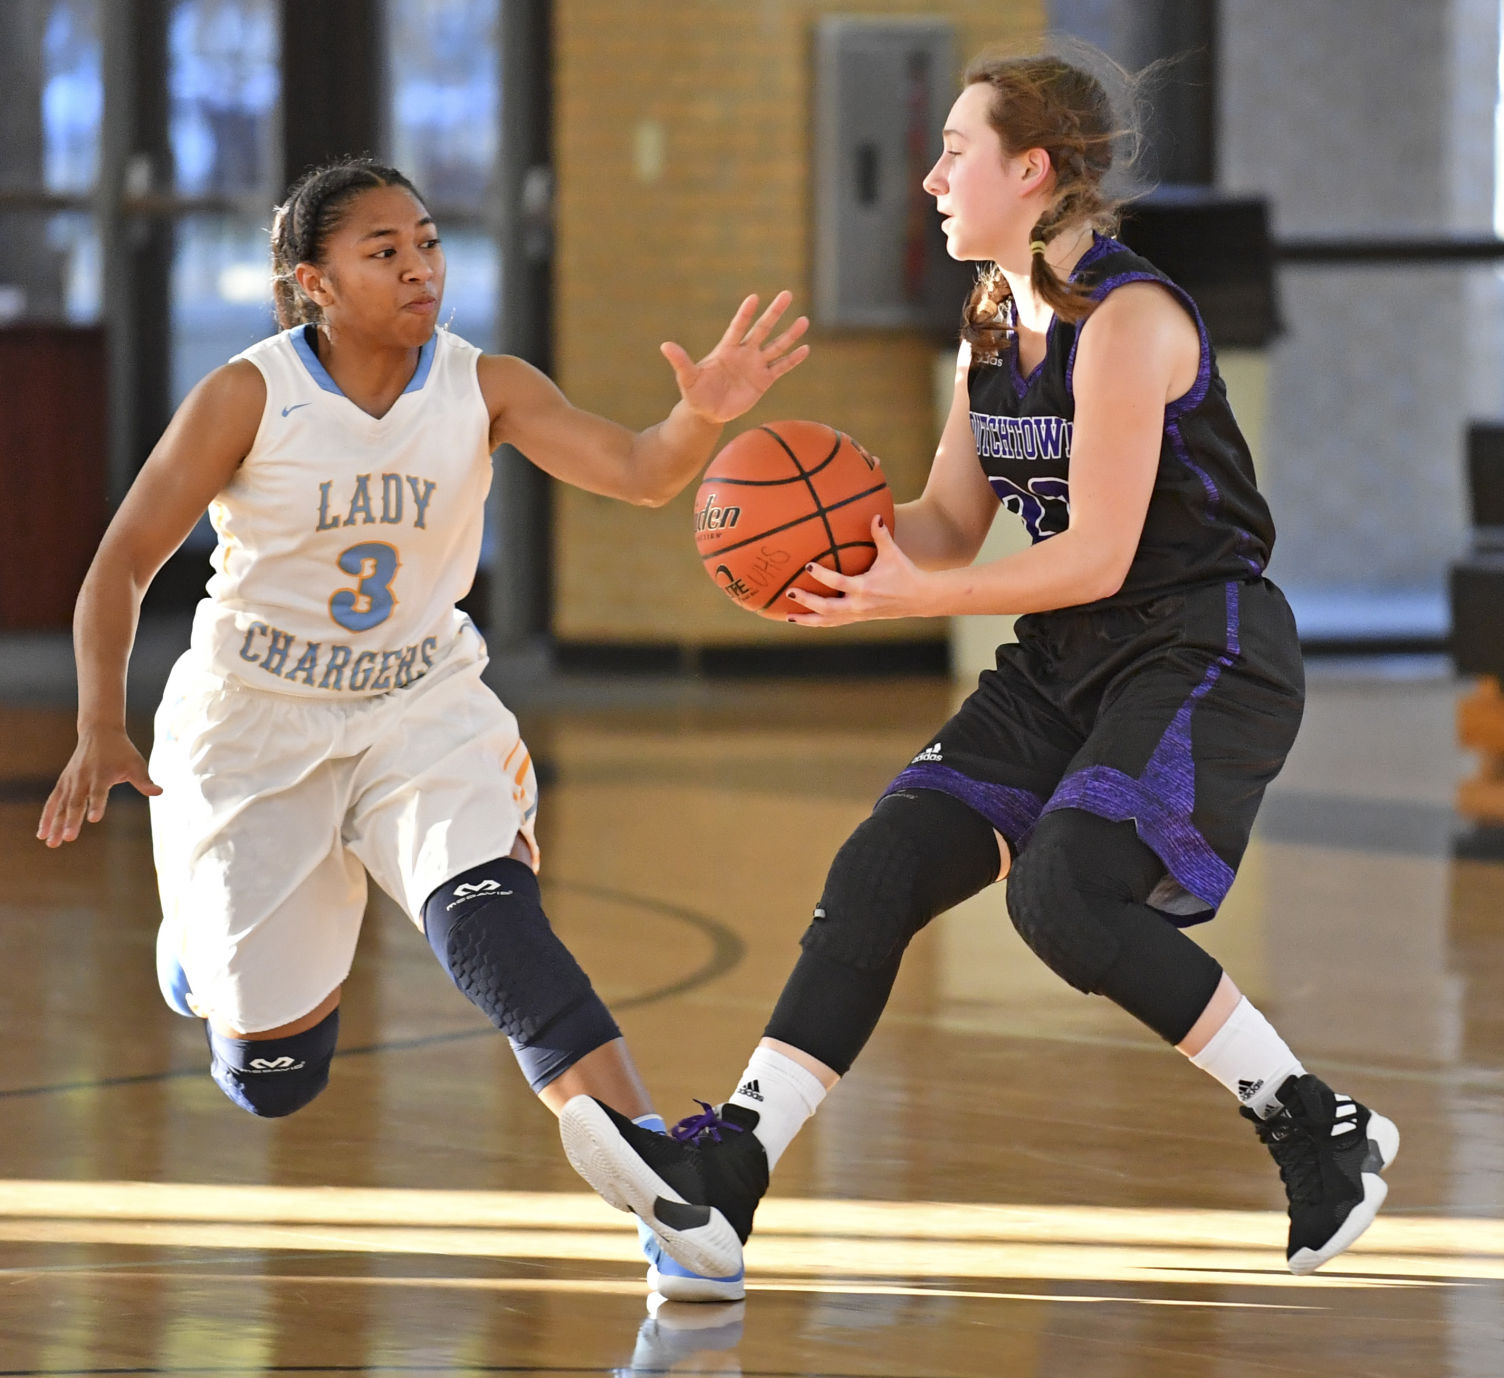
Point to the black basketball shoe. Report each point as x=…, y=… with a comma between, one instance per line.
x=696, y=1188
x=1330, y=1151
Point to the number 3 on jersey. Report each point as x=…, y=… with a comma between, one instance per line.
x=371, y=601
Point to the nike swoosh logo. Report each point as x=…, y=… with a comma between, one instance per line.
x=294, y=407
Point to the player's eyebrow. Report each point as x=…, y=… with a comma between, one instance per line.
x=376, y=234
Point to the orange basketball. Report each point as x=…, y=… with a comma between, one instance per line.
x=783, y=496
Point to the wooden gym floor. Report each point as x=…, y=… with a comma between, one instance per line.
x=1015, y=1180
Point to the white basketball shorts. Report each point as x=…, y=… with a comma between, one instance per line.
x=274, y=808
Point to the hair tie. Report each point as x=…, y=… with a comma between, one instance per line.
x=1037, y=246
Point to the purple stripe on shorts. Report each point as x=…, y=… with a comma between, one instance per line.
x=1013, y=812
x=1161, y=801
x=1186, y=854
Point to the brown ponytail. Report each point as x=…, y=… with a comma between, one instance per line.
x=302, y=224
x=1046, y=102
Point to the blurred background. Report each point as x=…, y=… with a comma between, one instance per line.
x=611, y=173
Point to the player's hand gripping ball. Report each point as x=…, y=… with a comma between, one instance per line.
x=783, y=496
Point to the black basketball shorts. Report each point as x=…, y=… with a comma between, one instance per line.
x=1174, y=713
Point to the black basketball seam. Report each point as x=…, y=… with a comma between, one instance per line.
x=772, y=482
x=820, y=508
x=789, y=583
x=774, y=530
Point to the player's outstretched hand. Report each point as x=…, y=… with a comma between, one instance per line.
x=99, y=761
x=894, y=586
x=745, y=364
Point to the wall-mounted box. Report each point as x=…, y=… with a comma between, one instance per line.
x=883, y=88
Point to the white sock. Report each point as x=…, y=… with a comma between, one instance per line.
x=1250, y=1059
x=783, y=1094
x=652, y=1120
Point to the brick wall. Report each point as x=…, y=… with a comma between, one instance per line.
x=643, y=258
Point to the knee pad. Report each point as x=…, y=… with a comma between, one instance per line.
x=488, y=929
x=272, y=1077
x=1051, y=906
x=1077, y=895
x=918, y=853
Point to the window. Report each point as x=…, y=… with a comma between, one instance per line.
x=224, y=91
x=51, y=102
x=72, y=97
x=444, y=75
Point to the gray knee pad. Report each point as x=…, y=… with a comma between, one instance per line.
x=488, y=929
x=272, y=1077
x=919, y=853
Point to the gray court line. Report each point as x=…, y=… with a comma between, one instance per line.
x=726, y=952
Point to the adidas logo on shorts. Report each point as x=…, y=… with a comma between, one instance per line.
x=749, y=1089
x=930, y=753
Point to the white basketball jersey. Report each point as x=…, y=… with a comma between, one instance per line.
x=345, y=540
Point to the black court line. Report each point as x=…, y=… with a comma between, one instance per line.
x=726, y=952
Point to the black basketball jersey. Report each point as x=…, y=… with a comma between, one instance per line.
x=1206, y=519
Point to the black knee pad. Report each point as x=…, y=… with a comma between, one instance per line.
x=1077, y=896
x=272, y=1077
x=919, y=853
x=1052, y=900
x=488, y=929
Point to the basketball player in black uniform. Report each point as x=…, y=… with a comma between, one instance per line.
x=1112, y=764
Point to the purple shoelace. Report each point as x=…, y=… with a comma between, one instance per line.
x=708, y=1122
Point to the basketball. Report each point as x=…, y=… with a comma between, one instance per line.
x=783, y=496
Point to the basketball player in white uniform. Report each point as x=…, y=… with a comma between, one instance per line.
x=329, y=718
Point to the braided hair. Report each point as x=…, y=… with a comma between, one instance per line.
x=302, y=224
x=1049, y=103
